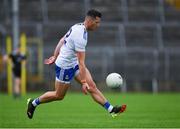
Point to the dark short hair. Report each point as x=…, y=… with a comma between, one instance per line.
x=94, y=13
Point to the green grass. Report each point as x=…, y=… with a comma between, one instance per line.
x=78, y=111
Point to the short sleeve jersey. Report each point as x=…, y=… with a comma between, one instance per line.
x=17, y=59
x=75, y=41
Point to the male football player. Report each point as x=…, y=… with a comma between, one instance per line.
x=69, y=58
x=16, y=58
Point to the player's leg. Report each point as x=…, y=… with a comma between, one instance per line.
x=95, y=93
x=17, y=82
x=98, y=96
x=58, y=94
x=62, y=83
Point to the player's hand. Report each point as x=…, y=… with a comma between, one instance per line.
x=5, y=58
x=50, y=60
x=85, y=88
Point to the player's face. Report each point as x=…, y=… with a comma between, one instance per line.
x=17, y=50
x=95, y=23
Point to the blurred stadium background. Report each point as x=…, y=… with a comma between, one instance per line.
x=140, y=39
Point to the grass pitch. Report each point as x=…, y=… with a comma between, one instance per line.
x=79, y=111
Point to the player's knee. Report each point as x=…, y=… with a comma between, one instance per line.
x=93, y=87
x=92, y=84
x=59, y=97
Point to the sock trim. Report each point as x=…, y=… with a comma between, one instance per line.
x=108, y=106
x=36, y=102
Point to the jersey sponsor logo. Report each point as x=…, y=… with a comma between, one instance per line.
x=66, y=77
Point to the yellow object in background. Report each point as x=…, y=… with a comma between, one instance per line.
x=23, y=42
x=175, y=3
x=9, y=64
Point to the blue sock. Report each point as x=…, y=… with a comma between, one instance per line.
x=108, y=106
x=36, y=102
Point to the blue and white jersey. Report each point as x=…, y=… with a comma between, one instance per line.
x=75, y=40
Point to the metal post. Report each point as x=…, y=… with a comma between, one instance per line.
x=167, y=64
x=15, y=9
x=122, y=37
x=125, y=56
x=155, y=85
x=124, y=87
x=155, y=70
x=124, y=7
x=159, y=37
x=161, y=11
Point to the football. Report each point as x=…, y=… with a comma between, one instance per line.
x=114, y=80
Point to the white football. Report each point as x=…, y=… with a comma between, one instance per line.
x=114, y=80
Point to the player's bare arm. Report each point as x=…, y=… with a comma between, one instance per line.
x=82, y=69
x=52, y=59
